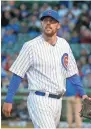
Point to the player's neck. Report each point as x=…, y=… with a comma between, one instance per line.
x=51, y=40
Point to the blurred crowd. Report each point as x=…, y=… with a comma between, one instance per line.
x=23, y=18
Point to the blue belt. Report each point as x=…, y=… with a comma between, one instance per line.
x=50, y=95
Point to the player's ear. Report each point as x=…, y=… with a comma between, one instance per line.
x=59, y=25
x=41, y=23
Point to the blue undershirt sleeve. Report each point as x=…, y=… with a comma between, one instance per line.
x=75, y=80
x=13, y=87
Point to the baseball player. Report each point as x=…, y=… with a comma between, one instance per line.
x=47, y=61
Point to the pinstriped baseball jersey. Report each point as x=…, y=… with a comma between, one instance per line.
x=46, y=66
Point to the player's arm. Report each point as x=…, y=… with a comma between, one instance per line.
x=73, y=74
x=75, y=81
x=20, y=67
x=14, y=84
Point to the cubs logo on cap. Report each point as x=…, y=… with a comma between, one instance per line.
x=49, y=12
x=52, y=13
x=65, y=60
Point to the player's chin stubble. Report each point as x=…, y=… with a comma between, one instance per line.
x=49, y=34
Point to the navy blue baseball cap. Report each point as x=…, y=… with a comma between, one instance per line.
x=51, y=13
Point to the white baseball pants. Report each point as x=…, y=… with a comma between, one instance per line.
x=44, y=111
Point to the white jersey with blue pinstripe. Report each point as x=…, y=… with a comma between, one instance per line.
x=44, y=64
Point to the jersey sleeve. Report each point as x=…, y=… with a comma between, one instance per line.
x=23, y=62
x=72, y=66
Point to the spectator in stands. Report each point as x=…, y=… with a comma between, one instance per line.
x=84, y=51
x=14, y=23
x=71, y=17
x=3, y=57
x=6, y=63
x=73, y=106
x=85, y=35
x=16, y=13
x=35, y=6
x=24, y=27
x=56, y=8
x=87, y=80
x=83, y=60
x=34, y=26
x=62, y=10
x=74, y=37
x=35, y=9
x=65, y=24
x=34, y=22
x=79, y=65
x=86, y=70
x=44, y=7
x=34, y=31
x=11, y=4
x=76, y=11
x=9, y=36
x=4, y=79
x=6, y=16
x=23, y=11
x=5, y=6
x=72, y=21
x=89, y=60
x=3, y=73
x=64, y=30
x=83, y=20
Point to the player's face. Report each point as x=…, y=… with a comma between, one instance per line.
x=50, y=26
